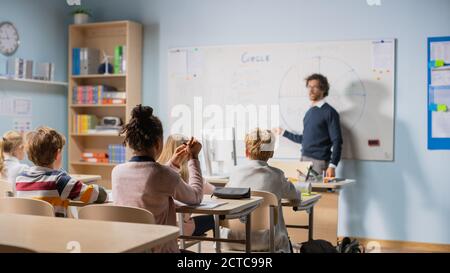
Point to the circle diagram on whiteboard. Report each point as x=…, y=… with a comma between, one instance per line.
x=347, y=92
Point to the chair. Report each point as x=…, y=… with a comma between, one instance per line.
x=26, y=206
x=265, y=217
x=117, y=214
x=14, y=249
x=185, y=244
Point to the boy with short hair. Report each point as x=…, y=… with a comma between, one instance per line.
x=46, y=181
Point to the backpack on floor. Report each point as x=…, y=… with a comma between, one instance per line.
x=348, y=245
x=317, y=246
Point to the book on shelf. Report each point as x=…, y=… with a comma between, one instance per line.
x=19, y=68
x=83, y=123
x=94, y=155
x=95, y=160
x=120, y=59
x=97, y=94
x=117, y=153
x=44, y=71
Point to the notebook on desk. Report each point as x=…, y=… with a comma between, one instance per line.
x=209, y=204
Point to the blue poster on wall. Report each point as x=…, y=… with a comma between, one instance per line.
x=439, y=93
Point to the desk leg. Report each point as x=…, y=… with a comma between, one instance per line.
x=248, y=234
x=217, y=232
x=311, y=224
x=181, y=226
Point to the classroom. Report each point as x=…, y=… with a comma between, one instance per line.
x=237, y=126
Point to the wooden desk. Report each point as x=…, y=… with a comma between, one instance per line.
x=307, y=204
x=58, y=235
x=218, y=182
x=332, y=186
x=234, y=208
x=86, y=178
x=326, y=212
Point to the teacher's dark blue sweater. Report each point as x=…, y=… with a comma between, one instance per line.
x=321, y=132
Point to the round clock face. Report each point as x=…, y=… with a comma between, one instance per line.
x=9, y=38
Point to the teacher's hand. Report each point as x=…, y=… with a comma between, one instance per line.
x=278, y=131
x=331, y=172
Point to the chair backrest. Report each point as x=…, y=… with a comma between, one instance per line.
x=116, y=214
x=290, y=167
x=5, y=188
x=26, y=206
x=260, y=216
x=14, y=249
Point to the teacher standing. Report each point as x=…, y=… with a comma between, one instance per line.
x=322, y=138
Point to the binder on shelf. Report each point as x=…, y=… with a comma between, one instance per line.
x=85, y=61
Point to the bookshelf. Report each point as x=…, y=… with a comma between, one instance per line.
x=104, y=36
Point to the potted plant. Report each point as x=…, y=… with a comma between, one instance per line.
x=81, y=15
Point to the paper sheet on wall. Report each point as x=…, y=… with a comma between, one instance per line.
x=178, y=63
x=440, y=51
x=440, y=77
x=442, y=96
x=6, y=106
x=382, y=55
x=440, y=127
x=22, y=125
x=22, y=106
x=194, y=62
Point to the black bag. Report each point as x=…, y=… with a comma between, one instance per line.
x=317, y=246
x=350, y=246
x=232, y=193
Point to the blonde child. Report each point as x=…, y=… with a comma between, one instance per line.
x=12, y=151
x=258, y=175
x=197, y=225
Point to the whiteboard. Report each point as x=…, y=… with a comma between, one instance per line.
x=361, y=74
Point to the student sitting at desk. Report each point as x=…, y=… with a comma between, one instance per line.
x=144, y=183
x=193, y=226
x=12, y=151
x=45, y=181
x=258, y=175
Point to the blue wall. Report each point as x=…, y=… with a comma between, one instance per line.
x=403, y=200
x=43, y=33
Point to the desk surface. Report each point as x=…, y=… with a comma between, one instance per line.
x=86, y=178
x=52, y=234
x=334, y=185
x=306, y=200
x=221, y=182
x=232, y=206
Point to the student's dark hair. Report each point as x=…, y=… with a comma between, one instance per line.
x=143, y=130
x=323, y=82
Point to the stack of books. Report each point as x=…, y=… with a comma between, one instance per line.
x=116, y=153
x=120, y=59
x=94, y=157
x=84, y=124
x=92, y=94
x=85, y=61
x=115, y=97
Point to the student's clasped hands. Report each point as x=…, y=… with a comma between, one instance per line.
x=188, y=150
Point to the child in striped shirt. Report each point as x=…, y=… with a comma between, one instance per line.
x=46, y=181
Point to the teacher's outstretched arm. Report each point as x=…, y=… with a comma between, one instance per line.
x=291, y=136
